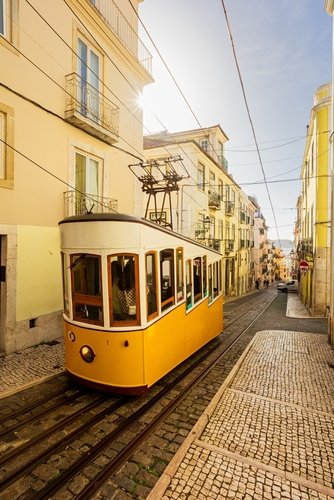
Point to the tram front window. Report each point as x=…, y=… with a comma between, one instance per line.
x=87, y=288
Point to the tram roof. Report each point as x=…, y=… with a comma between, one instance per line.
x=118, y=217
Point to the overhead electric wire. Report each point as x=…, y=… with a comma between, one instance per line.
x=249, y=116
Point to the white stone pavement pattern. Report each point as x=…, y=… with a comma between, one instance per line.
x=269, y=431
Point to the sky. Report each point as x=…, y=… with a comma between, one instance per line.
x=283, y=48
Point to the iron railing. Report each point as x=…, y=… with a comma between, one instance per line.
x=84, y=99
x=76, y=203
x=118, y=23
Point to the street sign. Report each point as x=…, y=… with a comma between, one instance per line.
x=304, y=265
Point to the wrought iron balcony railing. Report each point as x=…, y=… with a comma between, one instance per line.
x=214, y=200
x=214, y=243
x=229, y=207
x=229, y=246
x=90, y=110
x=124, y=31
x=77, y=204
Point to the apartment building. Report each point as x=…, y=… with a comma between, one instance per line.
x=208, y=206
x=314, y=214
x=70, y=76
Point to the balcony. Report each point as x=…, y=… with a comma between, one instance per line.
x=88, y=109
x=214, y=201
x=229, y=246
x=200, y=232
x=229, y=207
x=78, y=204
x=242, y=217
x=223, y=162
x=214, y=243
x=124, y=31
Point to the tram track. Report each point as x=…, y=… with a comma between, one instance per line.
x=130, y=430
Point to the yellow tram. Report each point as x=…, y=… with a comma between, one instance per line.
x=138, y=300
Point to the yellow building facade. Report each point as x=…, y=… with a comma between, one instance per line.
x=314, y=213
x=209, y=206
x=70, y=124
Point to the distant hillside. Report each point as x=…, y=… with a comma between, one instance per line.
x=284, y=244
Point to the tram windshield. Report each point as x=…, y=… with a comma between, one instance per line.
x=87, y=288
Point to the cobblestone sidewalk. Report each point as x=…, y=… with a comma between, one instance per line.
x=24, y=368
x=268, y=433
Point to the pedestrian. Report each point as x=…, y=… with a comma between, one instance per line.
x=257, y=284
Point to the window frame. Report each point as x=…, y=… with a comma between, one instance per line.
x=88, y=300
x=155, y=313
x=201, y=176
x=6, y=147
x=124, y=322
x=179, y=274
x=168, y=301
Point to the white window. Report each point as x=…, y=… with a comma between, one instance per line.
x=6, y=147
x=201, y=176
x=3, y=17
x=88, y=175
x=212, y=180
x=89, y=72
x=2, y=145
x=204, y=145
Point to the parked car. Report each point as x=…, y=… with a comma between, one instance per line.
x=288, y=286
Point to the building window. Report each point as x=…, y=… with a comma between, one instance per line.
x=201, y=177
x=88, y=172
x=6, y=147
x=212, y=181
x=9, y=23
x=3, y=16
x=2, y=145
x=204, y=145
x=89, y=72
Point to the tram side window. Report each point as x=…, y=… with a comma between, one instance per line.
x=197, y=270
x=205, y=290
x=166, y=278
x=188, y=285
x=151, y=286
x=210, y=283
x=220, y=276
x=215, y=279
x=124, y=295
x=65, y=285
x=87, y=288
x=179, y=274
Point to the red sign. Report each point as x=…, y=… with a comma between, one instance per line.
x=303, y=265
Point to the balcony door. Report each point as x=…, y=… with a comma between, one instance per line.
x=86, y=183
x=88, y=71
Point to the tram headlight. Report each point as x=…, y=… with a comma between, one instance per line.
x=87, y=353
